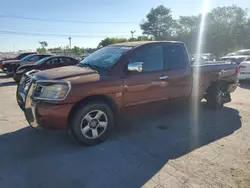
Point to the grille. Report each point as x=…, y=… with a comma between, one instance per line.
x=26, y=81
x=38, y=89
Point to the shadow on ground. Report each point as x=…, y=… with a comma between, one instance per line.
x=4, y=76
x=245, y=84
x=136, y=151
x=4, y=84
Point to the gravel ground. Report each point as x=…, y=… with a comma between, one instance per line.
x=151, y=151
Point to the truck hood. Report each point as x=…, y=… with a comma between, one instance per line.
x=69, y=73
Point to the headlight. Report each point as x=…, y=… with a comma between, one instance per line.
x=51, y=91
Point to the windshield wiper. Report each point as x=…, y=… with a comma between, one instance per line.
x=95, y=67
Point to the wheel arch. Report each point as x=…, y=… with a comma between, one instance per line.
x=100, y=98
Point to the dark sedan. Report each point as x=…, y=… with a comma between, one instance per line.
x=46, y=63
x=10, y=67
x=19, y=57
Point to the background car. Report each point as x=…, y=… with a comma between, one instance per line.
x=244, y=70
x=18, y=57
x=45, y=63
x=208, y=57
x=10, y=67
x=238, y=57
x=203, y=58
x=230, y=54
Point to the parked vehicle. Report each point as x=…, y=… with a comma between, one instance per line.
x=230, y=54
x=19, y=57
x=244, y=70
x=10, y=67
x=203, y=57
x=43, y=64
x=114, y=79
x=238, y=57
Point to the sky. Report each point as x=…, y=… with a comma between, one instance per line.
x=122, y=17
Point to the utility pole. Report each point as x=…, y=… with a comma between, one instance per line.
x=132, y=34
x=69, y=42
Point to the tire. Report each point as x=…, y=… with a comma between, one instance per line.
x=87, y=128
x=17, y=97
x=215, y=97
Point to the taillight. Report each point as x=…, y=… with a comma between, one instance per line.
x=242, y=67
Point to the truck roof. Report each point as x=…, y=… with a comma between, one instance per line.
x=139, y=43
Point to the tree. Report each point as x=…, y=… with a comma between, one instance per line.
x=141, y=38
x=227, y=29
x=41, y=50
x=55, y=49
x=77, y=50
x=43, y=45
x=108, y=41
x=159, y=23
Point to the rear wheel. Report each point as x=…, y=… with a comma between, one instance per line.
x=92, y=123
x=215, y=97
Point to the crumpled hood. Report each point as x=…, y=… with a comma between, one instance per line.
x=69, y=73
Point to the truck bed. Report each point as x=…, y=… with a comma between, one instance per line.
x=218, y=70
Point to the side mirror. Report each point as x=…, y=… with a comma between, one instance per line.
x=135, y=67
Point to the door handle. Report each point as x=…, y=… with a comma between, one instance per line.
x=163, y=77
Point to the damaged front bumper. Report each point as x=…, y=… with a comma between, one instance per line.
x=39, y=113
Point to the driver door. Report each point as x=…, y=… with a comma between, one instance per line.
x=150, y=85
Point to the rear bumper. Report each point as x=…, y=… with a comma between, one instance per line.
x=244, y=76
x=9, y=68
x=232, y=87
x=7, y=71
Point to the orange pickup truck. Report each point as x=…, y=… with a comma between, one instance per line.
x=87, y=97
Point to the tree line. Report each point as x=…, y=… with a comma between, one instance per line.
x=66, y=50
x=227, y=29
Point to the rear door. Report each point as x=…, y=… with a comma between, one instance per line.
x=34, y=59
x=179, y=74
x=66, y=61
x=149, y=85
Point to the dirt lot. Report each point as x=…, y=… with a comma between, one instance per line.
x=156, y=151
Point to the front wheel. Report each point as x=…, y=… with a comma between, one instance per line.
x=92, y=123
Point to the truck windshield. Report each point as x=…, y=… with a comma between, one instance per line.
x=105, y=58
